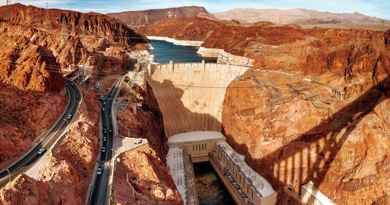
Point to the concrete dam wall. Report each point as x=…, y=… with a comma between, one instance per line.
x=191, y=95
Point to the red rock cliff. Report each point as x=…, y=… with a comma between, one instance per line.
x=70, y=21
x=142, y=18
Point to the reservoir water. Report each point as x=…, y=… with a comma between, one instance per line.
x=164, y=52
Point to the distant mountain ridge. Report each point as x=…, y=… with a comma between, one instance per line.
x=146, y=17
x=302, y=17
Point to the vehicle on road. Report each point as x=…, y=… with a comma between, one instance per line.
x=99, y=170
x=68, y=116
x=138, y=141
x=41, y=151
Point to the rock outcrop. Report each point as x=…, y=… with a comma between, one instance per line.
x=294, y=131
x=141, y=175
x=142, y=18
x=25, y=116
x=72, y=37
x=313, y=108
x=70, y=22
x=28, y=66
x=304, y=17
x=40, y=46
x=387, y=38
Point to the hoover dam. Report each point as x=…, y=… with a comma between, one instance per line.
x=180, y=90
x=190, y=96
x=180, y=106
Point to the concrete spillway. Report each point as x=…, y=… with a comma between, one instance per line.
x=191, y=95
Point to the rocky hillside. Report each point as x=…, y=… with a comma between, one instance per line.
x=25, y=115
x=70, y=22
x=26, y=65
x=72, y=37
x=304, y=17
x=40, y=46
x=313, y=108
x=282, y=47
x=294, y=131
x=142, y=18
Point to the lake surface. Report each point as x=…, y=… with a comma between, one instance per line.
x=209, y=186
x=164, y=52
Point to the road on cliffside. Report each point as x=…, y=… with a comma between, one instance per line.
x=49, y=139
x=97, y=194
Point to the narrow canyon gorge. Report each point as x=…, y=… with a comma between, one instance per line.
x=310, y=105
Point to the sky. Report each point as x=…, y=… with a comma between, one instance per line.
x=378, y=8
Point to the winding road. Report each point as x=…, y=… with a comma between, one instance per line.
x=49, y=139
x=98, y=191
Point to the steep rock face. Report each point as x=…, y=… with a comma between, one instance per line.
x=141, y=176
x=70, y=21
x=225, y=35
x=27, y=66
x=72, y=37
x=142, y=18
x=304, y=17
x=387, y=38
x=284, y=47
x=40, y=39
x=294, y=131
x=328, y=125
x=313, y=108
x=27, y=116
x=67, y=176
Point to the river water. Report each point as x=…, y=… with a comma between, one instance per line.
x=209, y=186
x=164, y=52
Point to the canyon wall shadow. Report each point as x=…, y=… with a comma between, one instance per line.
x=325, y=139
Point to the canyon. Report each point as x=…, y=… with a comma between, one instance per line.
x=313, y=107
x=41, y=47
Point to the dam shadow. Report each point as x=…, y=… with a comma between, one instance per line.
x=176, y=116
x=210, y=188
x=325, y=140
